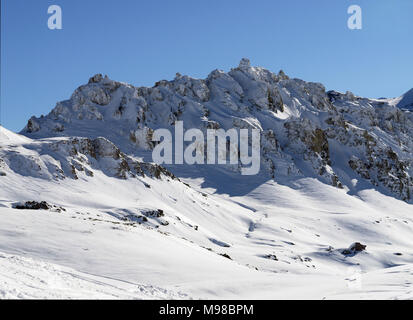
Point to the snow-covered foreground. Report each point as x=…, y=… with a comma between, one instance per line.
x=74, y=257
x=284, y=243
x=26, y=278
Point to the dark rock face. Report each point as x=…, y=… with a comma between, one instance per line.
x=32, y=125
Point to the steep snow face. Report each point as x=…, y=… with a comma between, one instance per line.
x=406, y=101
x=8, y=137
x=305, y=131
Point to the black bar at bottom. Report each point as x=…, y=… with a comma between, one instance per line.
x=192, y=309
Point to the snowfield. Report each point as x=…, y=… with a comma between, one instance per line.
x=86, y=253
x=85, y=215
x=26, y=278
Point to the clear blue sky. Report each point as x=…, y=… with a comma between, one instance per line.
x=141, y=42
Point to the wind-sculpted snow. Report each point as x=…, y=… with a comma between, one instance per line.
x=305, y=131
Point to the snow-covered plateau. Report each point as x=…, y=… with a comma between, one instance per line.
x=85, y=213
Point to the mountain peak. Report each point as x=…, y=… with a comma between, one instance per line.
x=244, y=63
x=98, y=78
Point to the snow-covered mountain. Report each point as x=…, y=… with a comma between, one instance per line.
x=81, y=198
x=343, y=140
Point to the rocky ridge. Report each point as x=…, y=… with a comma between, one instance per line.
x=341, y=139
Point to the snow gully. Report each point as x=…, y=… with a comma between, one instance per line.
x=220, y=145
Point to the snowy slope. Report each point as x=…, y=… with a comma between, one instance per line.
x=336, y=169
x=26, y=278
x=406, y=101
x=305, y=228
x=306, y=236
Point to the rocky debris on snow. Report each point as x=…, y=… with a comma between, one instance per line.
x=34, y=205
x=354, y=248
x=271, y=257
x=225, y=256
x=153, y=218
x=154, y=213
